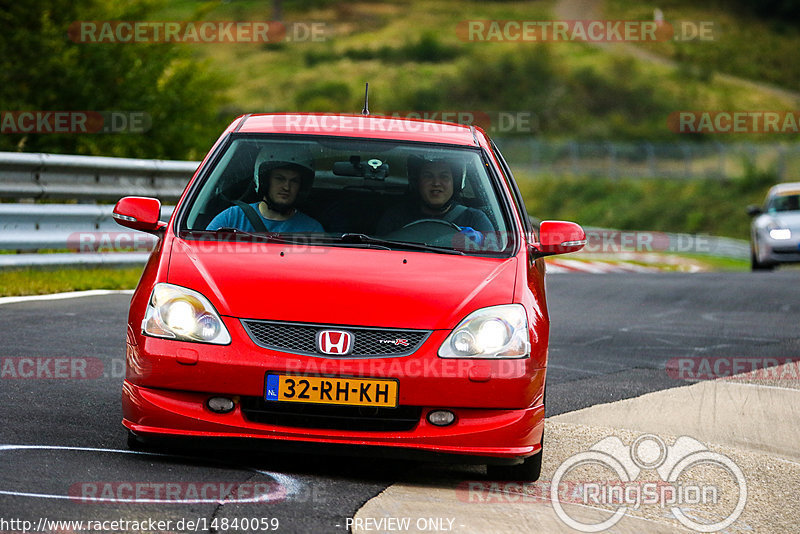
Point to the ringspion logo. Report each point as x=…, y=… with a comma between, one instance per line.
x=624, y=489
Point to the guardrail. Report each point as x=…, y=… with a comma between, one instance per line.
x=85, y=228
x=604, y=241
x=61, y=177
x=61, y=226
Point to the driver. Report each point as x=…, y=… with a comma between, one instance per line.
x=278, y=182
x=436, y=185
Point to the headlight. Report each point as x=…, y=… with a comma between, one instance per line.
x=780, y=233
x=178, y=313
x=494, y=332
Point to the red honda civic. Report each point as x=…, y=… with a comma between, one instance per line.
x=350, y=281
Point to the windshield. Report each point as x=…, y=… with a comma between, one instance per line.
x=790, y=202
x=352, y=192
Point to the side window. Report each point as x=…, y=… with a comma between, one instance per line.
x=519, y=204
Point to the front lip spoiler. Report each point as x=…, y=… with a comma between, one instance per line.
x=189, y=445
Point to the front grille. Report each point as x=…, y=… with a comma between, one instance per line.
x=356, y=418
x=785, y=250
x=300, y=338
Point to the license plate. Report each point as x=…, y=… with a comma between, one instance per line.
x=332, y=390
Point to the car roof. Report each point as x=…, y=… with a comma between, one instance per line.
x=789, y=188
x=367, y=126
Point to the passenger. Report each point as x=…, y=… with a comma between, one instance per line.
x=436, y=186
x=278, y=182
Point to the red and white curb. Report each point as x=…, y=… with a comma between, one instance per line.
x=66, y=295
x=596, y=267
x=624, y=262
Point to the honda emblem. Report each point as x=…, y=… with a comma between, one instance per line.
x=336, y=342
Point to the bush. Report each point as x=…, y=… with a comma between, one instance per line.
x=324, y=96
x=41, y=69
x=700, y=206
x=427, y=49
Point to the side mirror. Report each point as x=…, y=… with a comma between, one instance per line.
x=753, y=210
x=558, y=237
x=139, y=213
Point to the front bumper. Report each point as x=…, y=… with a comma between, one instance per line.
x=775, y=251
x=489, y=433
x=499, y=405
x=782, y=255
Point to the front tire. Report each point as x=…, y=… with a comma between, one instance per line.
x=755, y=265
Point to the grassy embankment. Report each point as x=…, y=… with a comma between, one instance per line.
x=40, y=281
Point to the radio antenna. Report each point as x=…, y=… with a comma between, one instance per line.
x=365, y=111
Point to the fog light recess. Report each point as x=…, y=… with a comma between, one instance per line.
x=441, y=417
x=220, y=404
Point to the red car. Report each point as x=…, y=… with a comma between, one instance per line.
x=346, y=280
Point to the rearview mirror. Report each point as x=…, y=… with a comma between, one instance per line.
x=373, y=169
x=558, y=237
x=139, y=213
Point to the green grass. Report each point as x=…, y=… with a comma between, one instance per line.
x=743, y=44
x=716, y=263
x=415, y=60
x=666, y=261
x=40, y=282
x=714, y=207
x=44, y=281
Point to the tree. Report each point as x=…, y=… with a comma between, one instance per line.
x=42, y=69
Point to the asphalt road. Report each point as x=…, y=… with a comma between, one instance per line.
x=611, y=337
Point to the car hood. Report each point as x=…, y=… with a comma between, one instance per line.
x=341, y=286
x=786, y=219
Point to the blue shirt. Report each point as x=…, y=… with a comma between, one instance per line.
x=234, y=217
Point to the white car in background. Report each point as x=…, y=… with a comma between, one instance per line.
x=775, y=230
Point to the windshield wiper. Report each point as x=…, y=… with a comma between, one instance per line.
x=363, y=239
x=269, y=236
x=346, y=239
